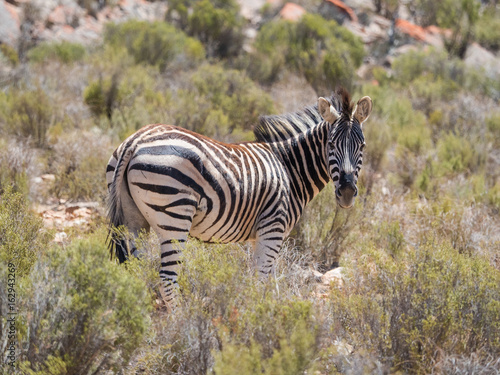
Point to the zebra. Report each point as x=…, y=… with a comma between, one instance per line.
x=181, y=183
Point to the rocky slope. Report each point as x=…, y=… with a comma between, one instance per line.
x=82, y=22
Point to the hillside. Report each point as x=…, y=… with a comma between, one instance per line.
x=415, y=285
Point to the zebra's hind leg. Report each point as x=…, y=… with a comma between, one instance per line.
x=173, y=234
x=171, y=250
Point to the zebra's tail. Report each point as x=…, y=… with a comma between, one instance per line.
x=119, y=196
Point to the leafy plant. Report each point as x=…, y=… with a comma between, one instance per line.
x=30, y=115
x=66, y=52
x=86, y=315
x=22, y=236
x=323, y=51
x=155, y=43
x=438, y=301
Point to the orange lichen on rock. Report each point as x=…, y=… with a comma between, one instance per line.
x=346, y=9
x=292, y=12
x=412, y=30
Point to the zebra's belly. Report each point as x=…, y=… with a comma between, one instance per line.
x=229, y=233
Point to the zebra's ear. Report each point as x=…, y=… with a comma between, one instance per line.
x=363, y=109
x=327, y=111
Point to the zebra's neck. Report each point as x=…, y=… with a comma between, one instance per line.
x=304, y=157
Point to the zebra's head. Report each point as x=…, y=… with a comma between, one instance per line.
x=345, y=142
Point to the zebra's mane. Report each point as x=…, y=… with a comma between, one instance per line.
x=277, y=128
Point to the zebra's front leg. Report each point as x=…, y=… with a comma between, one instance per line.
x=267, y=246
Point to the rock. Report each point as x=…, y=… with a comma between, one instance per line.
x=480, y=58
x=60, y=237
x=431, y=35
x=57, y=16
x=343, y=348
x=10, y=25
x=48, y=177
x=91, y=204
x=338, y=10
x=292, y=12
x=250, y=9
x=334, y=277
x=377, y=29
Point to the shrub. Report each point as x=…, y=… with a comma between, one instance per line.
x=457, y=154
x=219, y=28
x=155, y=43
x=460, y=16
x=294, y=356
x=78, y=164
x=103, y=96
x=324, y=229
x=30, y=115
x=378, y=140
x=220, y=103
x=435, y=75
x=9, y=53
x=86, y=315
x=326, y=53
x=18, y=163
x=22, y=238
x=487, y=29
x=66, y=52
x=427, y=301
x=223, y=308
x=493, y=126
x=413, y=142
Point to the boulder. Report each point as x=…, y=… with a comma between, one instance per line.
x=480, y=58
x=337, y=10
x=334, y=277
x=292, y=12
x=10, y=24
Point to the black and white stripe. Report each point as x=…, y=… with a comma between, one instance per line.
x=178, y=182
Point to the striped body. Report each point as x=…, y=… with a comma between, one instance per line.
x=178, y=182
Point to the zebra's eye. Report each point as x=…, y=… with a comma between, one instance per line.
x=362, y=146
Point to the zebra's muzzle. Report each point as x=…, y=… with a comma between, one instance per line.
x=347, y=191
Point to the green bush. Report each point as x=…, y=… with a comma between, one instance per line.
x=461, y=16
x=493, y=126
x=433, y=75
x=103, y=96
x=22, y=237
x=220, y=103
x=428, y=300
x=487, y=30
x=398, y=115
x=155, y=43
x=294, y=356
x=224, y=308
x=78, y=166
x=65, y=52
x=10, y=54
x=86, y=314
x=325, y=229
x=219, y=28
x=30, y=114
x=457, y=154
x=326, y=53
x=18, y=164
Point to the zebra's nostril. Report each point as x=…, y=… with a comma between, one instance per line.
x=339, y=194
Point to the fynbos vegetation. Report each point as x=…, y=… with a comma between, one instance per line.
x=420, y=250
